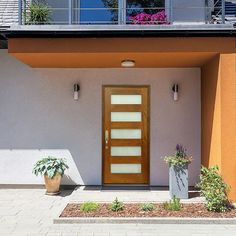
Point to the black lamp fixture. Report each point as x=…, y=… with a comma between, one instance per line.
x=76, y=91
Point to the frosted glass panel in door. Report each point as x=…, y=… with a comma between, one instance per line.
x=126, y=116
x=126, y=133
x=126, y=151
x=126, y=168
x=126, y=99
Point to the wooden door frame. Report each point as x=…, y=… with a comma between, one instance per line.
x=148, y=126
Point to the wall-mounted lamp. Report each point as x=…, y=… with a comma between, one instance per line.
x=76, y=91
x=128, y=63
x=175, y=90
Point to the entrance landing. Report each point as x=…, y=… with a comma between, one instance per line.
x=128, y=194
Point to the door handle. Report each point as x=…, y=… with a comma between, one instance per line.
x=106, y=138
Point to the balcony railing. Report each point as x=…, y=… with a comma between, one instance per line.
x=120, y=12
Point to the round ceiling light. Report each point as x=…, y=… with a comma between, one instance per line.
x=128, y=63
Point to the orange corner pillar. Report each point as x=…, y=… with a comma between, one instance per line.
x=228, y=120
x=219, y=117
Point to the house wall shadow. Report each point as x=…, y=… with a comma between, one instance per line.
x=39, y=118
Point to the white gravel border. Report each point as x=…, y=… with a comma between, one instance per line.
x=140, y=220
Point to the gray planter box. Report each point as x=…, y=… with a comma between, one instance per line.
x=178, y=182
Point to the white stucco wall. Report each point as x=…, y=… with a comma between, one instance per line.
x=38, y=117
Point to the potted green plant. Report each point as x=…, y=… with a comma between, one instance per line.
x=38, y=13
x=53, y=170
x=178, y=172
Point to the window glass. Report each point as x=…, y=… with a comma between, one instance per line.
x=126, y=168
x=99, y=11
x=123, y=151
x=126, y=133
x=59, y=11
x=126, y=99
x=126, y=116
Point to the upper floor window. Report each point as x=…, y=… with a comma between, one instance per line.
x=126, y=11
x=108, y=11
x=99, y=11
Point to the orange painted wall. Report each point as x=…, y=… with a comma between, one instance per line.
x=109, y=52
x=211, y=119
x=228, y=120
x=113, y=60
x=122, y=45
x=219, y=117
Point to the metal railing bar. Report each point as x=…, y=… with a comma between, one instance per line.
x=70, y=11
x=20, y=12
x=116, y=8
x=223, y=11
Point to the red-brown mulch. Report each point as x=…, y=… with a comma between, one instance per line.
x=134, y=210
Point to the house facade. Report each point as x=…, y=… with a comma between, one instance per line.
x=122, y=59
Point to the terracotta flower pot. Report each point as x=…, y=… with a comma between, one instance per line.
x=52, y=185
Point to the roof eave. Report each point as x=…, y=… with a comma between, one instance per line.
x=118, y=33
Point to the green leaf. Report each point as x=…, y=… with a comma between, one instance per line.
x=50, y=166
x=214, y=189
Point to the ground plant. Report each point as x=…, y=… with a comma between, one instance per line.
x=89, y=206
x=173, y=205
x=147, y=207
x=50, y=166
x=187, y=210
x=214, y=189
x=180, y=158
x=117, y=205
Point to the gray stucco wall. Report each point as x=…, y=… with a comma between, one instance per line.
x=39, y=117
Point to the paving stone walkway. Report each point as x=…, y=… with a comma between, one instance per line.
x=137, y=194
x=30, y=212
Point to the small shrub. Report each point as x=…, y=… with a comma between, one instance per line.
x=173, y=205
x=117, y=205
x=147, y=207
x=213, y=188
x=89, y=206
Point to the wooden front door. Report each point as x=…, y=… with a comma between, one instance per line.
x=126, y=135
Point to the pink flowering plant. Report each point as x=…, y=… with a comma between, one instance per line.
x=143, y=18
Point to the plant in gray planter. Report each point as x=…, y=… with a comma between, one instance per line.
x=52, y=169
x=178, y=172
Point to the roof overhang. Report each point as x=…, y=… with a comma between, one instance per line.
x=176, y=30
x=109, y=52
x=3, y=39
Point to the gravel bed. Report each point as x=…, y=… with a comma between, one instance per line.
x=134, y=210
